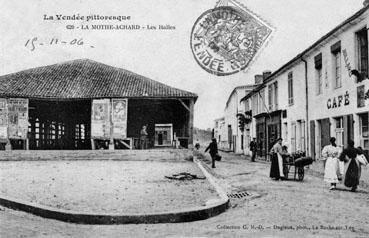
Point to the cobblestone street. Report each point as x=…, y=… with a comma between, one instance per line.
x=269, y=209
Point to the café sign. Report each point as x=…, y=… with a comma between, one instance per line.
x=338, y=101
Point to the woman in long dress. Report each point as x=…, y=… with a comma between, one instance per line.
x=352, y=166
x=276, y=166
x=331, y=170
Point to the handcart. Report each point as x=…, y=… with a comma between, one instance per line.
x=298, y=161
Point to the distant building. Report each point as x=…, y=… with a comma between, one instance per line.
x=220, y=132
x=234, y=140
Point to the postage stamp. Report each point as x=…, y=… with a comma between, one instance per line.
x=224, y=40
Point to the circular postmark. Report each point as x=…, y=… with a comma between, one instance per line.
x=224, y=40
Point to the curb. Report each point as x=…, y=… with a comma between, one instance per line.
x=212, y=180
x=109, y=219
x=192, y=214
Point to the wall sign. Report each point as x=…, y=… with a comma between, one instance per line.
x=347, y=62
x=119, y=118
x=3, y=119
x=362, y=96
x=100, y=121
x=338, y=101
x=18, y=118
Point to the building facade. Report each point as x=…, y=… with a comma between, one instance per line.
x=322, y=92
x=221, y=133
x=338, y=86
x=234, y=140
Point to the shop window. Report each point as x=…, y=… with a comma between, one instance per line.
x=339, y=131
x=293, y=137
x=364, y=132
x=290, y=88
x=362, y=51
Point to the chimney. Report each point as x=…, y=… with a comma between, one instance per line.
x=258, y=79
x=266, y=74
x=366, y=3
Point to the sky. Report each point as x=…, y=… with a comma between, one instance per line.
x=162, y=55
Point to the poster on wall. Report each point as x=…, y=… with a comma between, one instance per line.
x=362, y=96
x=3, y=119
x=100, y=121
x=119, y=118
x=18, y=118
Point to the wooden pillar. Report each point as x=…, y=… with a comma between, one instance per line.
x=111, y=140
x=92, y=140
x=8, y=146
x=93, y=144
x=26, y=144
x=190, y=124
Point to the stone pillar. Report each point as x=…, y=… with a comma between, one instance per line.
x=190, y=124
x=8, y=146
x=93, y=144
x=26, y=144
x=111, y=140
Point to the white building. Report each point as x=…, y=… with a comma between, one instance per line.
x=316, y=95
x=286, y=107
x=220, y=132
x=338, y=103
x=235, y=137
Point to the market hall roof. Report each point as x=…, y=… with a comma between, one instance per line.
x=84, y=79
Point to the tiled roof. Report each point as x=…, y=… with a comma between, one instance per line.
x=83, y=79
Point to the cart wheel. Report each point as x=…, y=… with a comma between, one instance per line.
x=300, y=173
x=285, y=171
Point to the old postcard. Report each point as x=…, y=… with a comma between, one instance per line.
x=173, y=118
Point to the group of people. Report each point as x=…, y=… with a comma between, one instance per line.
x=345, y=165
x=339, y=165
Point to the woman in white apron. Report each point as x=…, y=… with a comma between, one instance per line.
x=331, y=170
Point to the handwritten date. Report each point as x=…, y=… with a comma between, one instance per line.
x=33, y=43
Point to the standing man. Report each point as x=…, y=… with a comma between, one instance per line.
x=143, y=137
x=213, y=151
x=253, y=148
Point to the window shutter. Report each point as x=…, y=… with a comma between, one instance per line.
x=336, y=47
x=318, y=61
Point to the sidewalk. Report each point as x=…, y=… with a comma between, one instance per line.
x=316, y=169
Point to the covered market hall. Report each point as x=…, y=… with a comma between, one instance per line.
x=84, y=104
